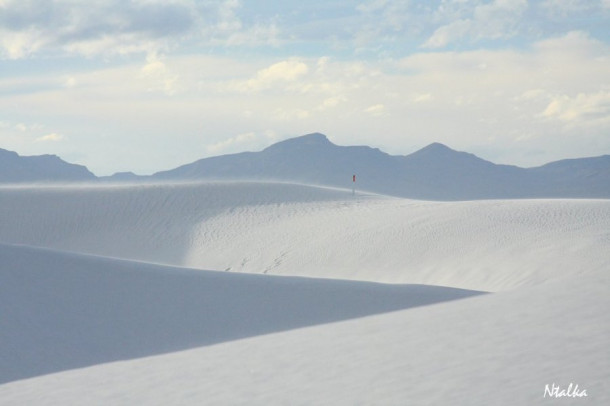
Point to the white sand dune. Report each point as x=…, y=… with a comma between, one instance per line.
x=495, y=349
x=483, y=245
x=62, y=311
x=282, y=340
x=144, y=222
x=299, y=230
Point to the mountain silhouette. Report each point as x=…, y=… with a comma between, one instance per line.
x=435, y=172
x=42, y=168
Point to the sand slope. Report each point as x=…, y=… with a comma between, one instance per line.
x=499, y=349
x=280, y=339
x=299, y=230
x=63, y=311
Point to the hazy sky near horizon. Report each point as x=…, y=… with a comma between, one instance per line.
x=147, y=85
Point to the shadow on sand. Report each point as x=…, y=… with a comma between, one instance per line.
x=63, y=311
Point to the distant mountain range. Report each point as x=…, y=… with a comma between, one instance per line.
x=435, y=172
x=41, y=168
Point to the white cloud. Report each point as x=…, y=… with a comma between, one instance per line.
x=557, y=88
x=375, y=110
x=256, y=35
x=111, y=45
x=284, y=114
x=371, y=6
x=396, y=106
x=242, y=142
x=331, y=102
x=391, y=16
x=160, y=76
x=564, y=8
x=117, y=27
x=70, y=82
x=531, y=94
x=585, y=108
x=384, y=28
x=322, y=63
x=281, y=72
x=21, y=44
x=574, y=41
x=498, y=19
x=233, y=143
x=228, y=20
x=383, y=22
x=21, y=127
x=285, y=70
x=422, y=97
x=448, y=33
x=90, y=28
x=230, y=30
x=53, y=137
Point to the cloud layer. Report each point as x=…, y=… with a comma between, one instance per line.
x=515, y=81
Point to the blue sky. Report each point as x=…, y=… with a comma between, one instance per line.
x=147, y=85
